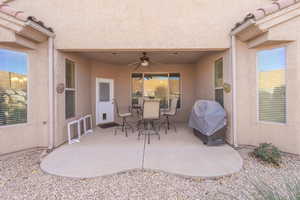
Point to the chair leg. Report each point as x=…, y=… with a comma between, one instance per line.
x=157, y=132
x=168, y=123
x=148, y=138
x=172, y=122
x=139, y=135
x=140, y=129
x=131, y=127
x=125, y=126
x=175, y=127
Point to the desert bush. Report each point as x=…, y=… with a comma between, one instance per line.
x=268, y=153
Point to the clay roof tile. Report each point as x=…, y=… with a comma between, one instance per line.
x=20, y=15
x=265, y=11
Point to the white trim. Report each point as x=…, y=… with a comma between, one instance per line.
x=234, y=91
x=87, y=131
x=79, y=124
x=76, y=140
x=242, y=27
x=28, y=102
x=39, y=28
x=15, y=125
x=51, y=122
x=278, y=17
x=257, y=88
x=112, y=96
x=214, y=78
x=71, y=89
x=168, y=73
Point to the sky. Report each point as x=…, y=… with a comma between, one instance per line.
x=12, y=61
x=273, y=59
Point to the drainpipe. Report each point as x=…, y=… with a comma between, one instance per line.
x=51, y=122
x=234, y=32
x=234, y=110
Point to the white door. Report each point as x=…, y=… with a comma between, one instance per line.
x=104, y=100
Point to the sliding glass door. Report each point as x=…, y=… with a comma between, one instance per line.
x=162, y=86
x=156, y=86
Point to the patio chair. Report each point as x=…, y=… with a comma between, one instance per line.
x=124, y=125
x=151, y=114
x=139, y=106
x=170, y=114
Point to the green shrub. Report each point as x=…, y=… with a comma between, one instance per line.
x=268, y=153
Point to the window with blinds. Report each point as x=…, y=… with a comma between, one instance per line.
x=13, y=87
x=219, y=90
x=272, y=85
x=70, y=91
x=163, y=86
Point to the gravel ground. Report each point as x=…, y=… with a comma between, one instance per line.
x=21, y=178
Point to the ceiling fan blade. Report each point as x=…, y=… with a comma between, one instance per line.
x=155, y=63
x=137, y=67
x=133, y=63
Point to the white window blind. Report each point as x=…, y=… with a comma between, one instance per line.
x=70, y=89
x=272, y=85
x=13, y=87
x=219, y=91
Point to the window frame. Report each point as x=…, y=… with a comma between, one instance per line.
x=214, y=79
x=168, y=73
x=71, y=89
x=257, y=87
x=28, y=89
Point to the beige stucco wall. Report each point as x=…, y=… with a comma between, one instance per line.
x=250, y=130
x=83, y=96
x=135, y=24
x=205, y=89
x=34, y=133
x=121, y=75
x=197, y=24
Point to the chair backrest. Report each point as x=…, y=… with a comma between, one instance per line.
x=151, y=109
x=173, y=106
x=140, y=101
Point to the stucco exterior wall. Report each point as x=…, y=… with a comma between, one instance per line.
x=82, y=84
x=205, y=89
x=122, y=81
x=135, y=24
x=250, y=130
x=34, y=133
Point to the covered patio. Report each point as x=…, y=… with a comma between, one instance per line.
x=181, y=153
x=95, y=79
x=187, y=75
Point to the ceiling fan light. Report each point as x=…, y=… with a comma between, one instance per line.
x=145, y=63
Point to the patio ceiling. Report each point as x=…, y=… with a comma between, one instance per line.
x=122, y=58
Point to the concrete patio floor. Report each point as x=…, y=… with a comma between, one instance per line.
x=180, y=153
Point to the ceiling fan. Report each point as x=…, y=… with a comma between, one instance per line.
x=143, y=62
